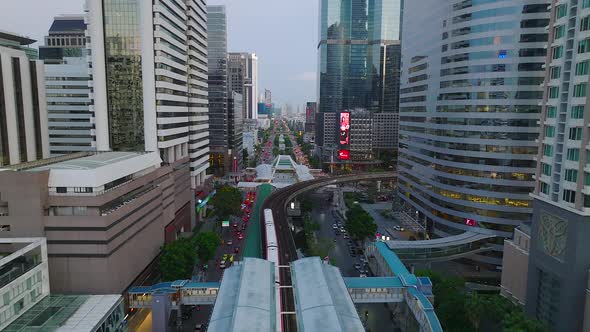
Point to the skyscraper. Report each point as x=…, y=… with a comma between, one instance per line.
x=23, y=108
x=243, y=79
x=218, y=88
x=557, y=283
x=469, y=111
x=358, y=59
x=67, y=77
x=149, y=69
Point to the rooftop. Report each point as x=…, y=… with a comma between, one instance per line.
x=91, y=169
x=69, y=23
x=13, y=37
x=246, y=299
x=65, y=313
x=322, y=300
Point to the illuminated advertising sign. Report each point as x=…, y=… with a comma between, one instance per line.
x=344, y=154
x=344, y=129
x=470, y=222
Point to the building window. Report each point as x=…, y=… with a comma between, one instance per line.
x=577, y=112
x=560, y=11
x=544, y=188
x=575, y=134
x=553, y=92
x=555, y=72
x=585, y=23
x=571, y=175
x=557, y=52
x=546, y=169
x=569, y=196
x=551, y=112
x=582, y=68
x=547, y=150
x=583, y=46
x=573, y=154
x=549, y=131
x=61, y=190
x=558, y=31
x=580, y=90
x=586, y=179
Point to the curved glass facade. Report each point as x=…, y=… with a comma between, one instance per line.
x=469, y=111
x=354, y=35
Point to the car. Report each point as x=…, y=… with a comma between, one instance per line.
x=235, y=225
x=346, y=236
x=342, y=230
x=334, y=226
x=357, y=266
x=363, y=260
x=229, y=242
x=398, y=228
x=199, y=328
x=236, y=249
x=240, y=236
x=362, y=275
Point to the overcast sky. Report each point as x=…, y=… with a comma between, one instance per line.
x=283, y=33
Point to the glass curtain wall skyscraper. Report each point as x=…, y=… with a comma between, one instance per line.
x=357, y=38
x=149, y=72
x=218, y=88
x=469, y=109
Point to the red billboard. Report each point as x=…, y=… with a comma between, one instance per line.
x=344, y=154
x=344, y=129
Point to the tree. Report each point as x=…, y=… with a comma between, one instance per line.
x=178, y=259
x=359, y=224
x=227, y=201
x=306, y=204
x=207, y=243
x=477, y=307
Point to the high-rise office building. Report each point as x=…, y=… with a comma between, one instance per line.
x=559, y=259
x=267, y=96
x=359, y=59
x=66, y=39
x=67, y=77
x=149, y=70
x=218, y=88
x=469, y=110
x=243, y=79
x=23, y=108
x=236, y=127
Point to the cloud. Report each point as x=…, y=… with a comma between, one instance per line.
x=305, y=76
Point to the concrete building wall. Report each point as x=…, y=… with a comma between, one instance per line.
x=515, y=267
x=558, y=266
x=119, y=230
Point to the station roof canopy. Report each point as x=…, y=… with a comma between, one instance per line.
x=322, y=301
x=246, y=299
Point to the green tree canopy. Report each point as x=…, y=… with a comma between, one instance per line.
x=178, y=259
x=359, y=224
x=207, y=243
x=227, y=201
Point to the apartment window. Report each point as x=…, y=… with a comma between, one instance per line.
x=586, y=178
x=551, y=112
x=577, y=112
x=544, y=188
x=573, y=154
x=546, y=169
x=555, y=72
x=553, y=92
x=558, y=31
x=582, y=68
x=580, y=90
x=585, y=23
x=61, y=190
x=585, y=3
x=560, y=11
x=547, y=150
x=569, y=196
x=571, y=175
x=583, y=46
x=549, y=131
x=575, y=134
x=557, y=52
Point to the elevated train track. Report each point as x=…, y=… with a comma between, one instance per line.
x=280, y=237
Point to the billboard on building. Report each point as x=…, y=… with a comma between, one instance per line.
x=344, y=129
x=344, y=154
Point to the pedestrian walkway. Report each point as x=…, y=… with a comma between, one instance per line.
x=252, y=247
